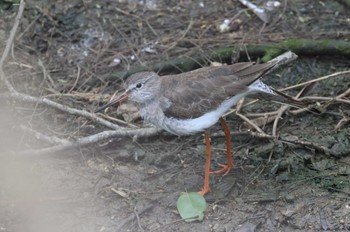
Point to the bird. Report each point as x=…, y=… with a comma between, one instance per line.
x=191, y=102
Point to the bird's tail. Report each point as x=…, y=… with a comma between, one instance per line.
x=266, y=92
x=286, y=99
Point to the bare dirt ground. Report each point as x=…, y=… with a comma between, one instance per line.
x=67, y=52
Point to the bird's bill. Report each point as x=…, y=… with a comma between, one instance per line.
x=113, y=101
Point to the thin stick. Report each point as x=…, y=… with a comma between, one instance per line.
x=92, y=139
x=9, y=44
x=266, y=114
x=247, y=120
x=326, y=151
x=118, y=121
x=315, y=80
x=132, y=216
x=138, y=219
x=281, y=111
x=46, y=74
x=334, y=99
x=76, y=80
x=63, y=108
x=346, y=93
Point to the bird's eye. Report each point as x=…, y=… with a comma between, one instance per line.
x=139, y=85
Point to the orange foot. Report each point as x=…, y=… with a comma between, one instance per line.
x=225, y=169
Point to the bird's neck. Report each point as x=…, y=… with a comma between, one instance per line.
x=151, y=111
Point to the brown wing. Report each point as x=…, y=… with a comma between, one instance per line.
x=194, y=93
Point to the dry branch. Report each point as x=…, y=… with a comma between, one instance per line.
x=9, y=44
x=307, y=144
x=46, y=102
x=92, y=139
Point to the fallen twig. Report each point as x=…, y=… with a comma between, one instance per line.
x=281, y=111
x=133, y=216
x=329, y=99
x=342, y=122
x=92, y=139
x=44, y=101
x=9, y=44
x=316, y=80
x=320, y=148
x=315, y=146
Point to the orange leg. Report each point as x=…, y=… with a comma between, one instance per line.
x=206, y=187
x=225, y=168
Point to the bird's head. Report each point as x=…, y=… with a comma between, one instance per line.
x=140, y=87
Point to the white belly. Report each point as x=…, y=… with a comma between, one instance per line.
x=195, y=125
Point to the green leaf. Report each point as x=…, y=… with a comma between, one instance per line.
x=191, y=206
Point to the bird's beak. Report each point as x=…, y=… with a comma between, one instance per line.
x=115, y=100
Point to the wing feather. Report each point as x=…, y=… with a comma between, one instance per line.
x=200, y=91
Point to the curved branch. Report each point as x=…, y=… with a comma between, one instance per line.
x=44, y=101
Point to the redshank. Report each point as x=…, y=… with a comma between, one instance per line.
x=191, y=102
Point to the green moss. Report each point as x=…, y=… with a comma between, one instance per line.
x=294, y=44
x=222, y=54
x=271, y=53
x=344, y=48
